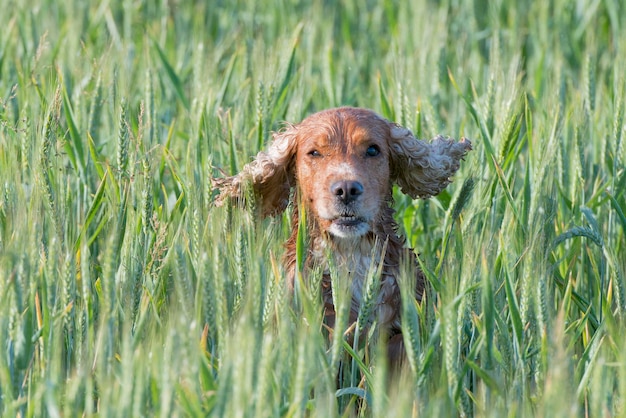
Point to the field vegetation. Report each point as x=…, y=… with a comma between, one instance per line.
x=124, y=291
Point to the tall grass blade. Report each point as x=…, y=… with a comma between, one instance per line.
x=516, y=319
x=74, y=148
x=172, y=76
x=387, y=110
x=290, y=72
x=91, y=213
x=618, y=209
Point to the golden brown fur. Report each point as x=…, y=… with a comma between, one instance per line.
x=342, y=164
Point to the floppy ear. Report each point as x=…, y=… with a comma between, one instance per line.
x=270, y=174
x=424, y=169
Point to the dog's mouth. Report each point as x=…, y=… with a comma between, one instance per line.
x=348, y=221
x=346, y=226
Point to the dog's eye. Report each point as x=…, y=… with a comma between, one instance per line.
x=315, y=153
x=373, y=151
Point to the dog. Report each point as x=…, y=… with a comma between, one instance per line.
x=339, y=165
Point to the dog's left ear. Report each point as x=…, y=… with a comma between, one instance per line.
x=423, y=169
x=270, y=174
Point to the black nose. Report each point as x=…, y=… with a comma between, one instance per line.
x=346, y=191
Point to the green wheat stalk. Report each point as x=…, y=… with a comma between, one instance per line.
x=195, y=236
x=371, y=287
x=450, y=350
x=410, y=324
x=342, y=296
x=590, y=82
x=93, y=116
x=618, y=126
x=25, y=143
x=579, y=231
x=46, y=165
x=122, y=144
x=151, y=118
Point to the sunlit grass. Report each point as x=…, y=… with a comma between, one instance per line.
x=125, y=292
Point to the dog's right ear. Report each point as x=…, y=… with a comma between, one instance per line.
x=270, y=174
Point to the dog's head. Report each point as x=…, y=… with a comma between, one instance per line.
x=344, y=162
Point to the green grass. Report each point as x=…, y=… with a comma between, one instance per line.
x=125, y=292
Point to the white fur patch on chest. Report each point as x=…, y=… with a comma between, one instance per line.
x=356, y=260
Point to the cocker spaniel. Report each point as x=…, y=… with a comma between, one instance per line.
x=341, y=165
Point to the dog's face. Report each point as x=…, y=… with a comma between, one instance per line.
x=342, y=169
x=344, y=162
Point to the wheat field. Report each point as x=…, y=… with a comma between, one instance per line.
x=124, y=291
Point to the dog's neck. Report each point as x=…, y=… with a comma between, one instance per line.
x=352, y=260
x=351, y=255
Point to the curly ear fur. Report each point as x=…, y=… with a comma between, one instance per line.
x=424, y=169
x=270, y=174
